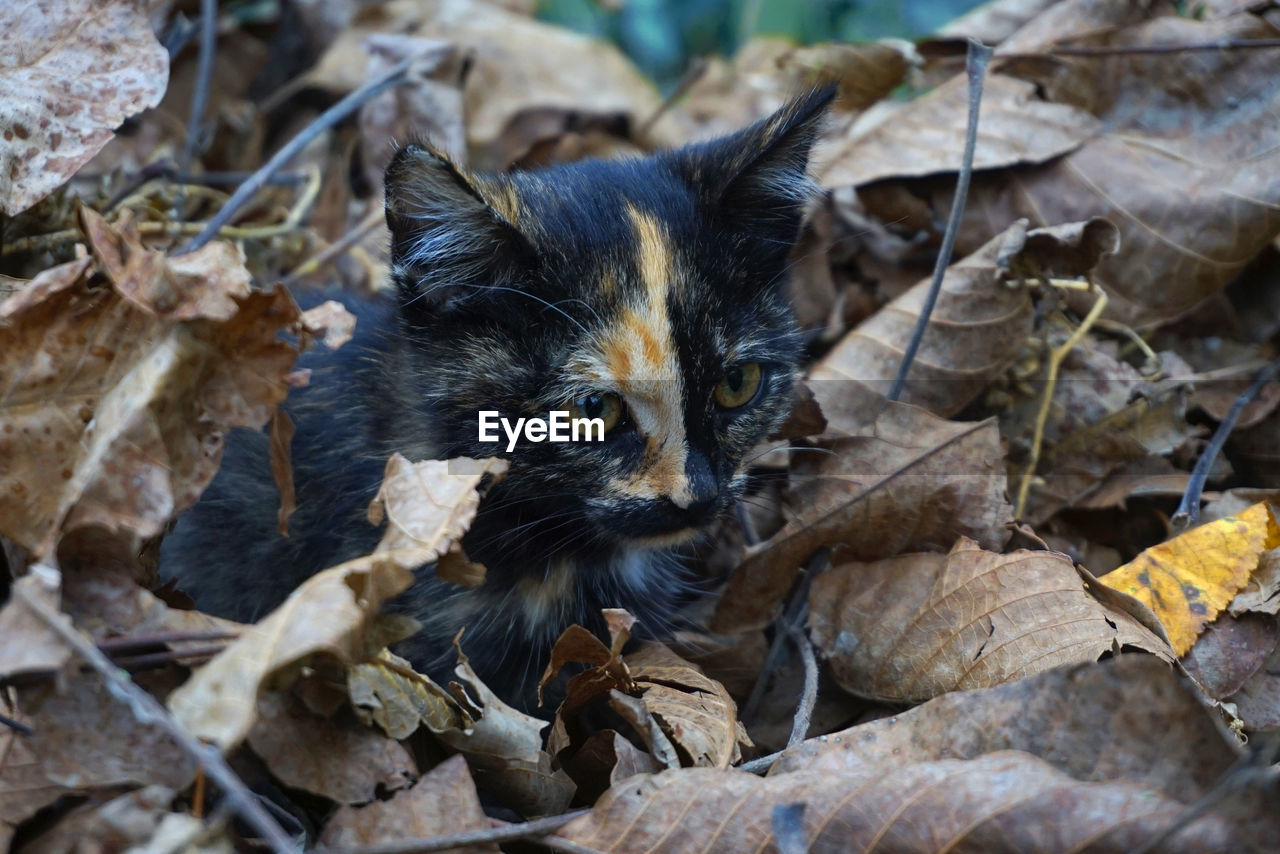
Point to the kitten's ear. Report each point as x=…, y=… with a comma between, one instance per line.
x=447, y=241
x=760, y=174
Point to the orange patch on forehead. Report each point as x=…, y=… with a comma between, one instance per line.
x=653, y=254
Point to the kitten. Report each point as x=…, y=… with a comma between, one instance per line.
x=648, y=293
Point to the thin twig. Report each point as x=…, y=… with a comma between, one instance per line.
x=809, y=696
x=1189, y=509
x=1135, y=49
x=322, y=258
x=147, y=710
x=323, y=122
x=540, y=827
x=118, y=646
x=695, y=72
x=1056, y=357
x=16, y=725
x=761, y=764
x=792, y=615
x=975, y=67
x=200, y=98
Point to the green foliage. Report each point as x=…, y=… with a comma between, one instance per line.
x=662, y=36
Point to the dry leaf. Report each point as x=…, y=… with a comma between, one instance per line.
x=27, y=643
x=910, y=481
x=519, y=66
x=504, y=747
x=387, y=692
x=332, y=319
x=926, y=137
x=70, y=75
x=346, y=764
x=443, y=802
x=334, y=614
x=280, y=439
x=909, y=628
x=975, y=332
x=118, y=398
x=1188, y=580
x=1184, y=166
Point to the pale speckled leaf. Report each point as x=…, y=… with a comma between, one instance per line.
x=70, y=74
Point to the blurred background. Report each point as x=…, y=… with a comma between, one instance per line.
x=663, y=36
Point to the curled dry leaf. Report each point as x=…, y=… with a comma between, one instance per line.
x=1189, y=580
x=331, y=319
x=386, y=691
x=336, y=613
x=70, y=75
x=911, y=627
x=927, y=136
x=117, y=398
x=441, y=803
x=908, y=481
x=346, y=764
x=504, y=749
x=975, y=332
x=669, y=701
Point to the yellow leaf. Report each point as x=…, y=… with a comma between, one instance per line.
x=1188, y=580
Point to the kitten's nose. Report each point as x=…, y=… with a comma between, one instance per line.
x=702, y=489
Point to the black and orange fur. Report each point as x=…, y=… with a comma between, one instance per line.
x=646, y=278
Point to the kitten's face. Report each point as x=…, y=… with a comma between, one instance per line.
x=647, y=293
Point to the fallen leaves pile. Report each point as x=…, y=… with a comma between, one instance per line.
x=972, y=618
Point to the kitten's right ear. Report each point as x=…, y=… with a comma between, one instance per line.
x=447, y=241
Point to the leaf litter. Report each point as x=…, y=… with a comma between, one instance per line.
x=987, y=682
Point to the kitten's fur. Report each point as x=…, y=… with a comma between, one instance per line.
x=647, y=278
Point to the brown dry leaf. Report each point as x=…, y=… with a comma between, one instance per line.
x=909, y=628
x=117, y=398
x=1231, y=650
x=27, y=643
x=429, y=107
x=975, y=332
x=1189, y=580
x=429, y=504
x=387, y=692
x=909, y=481
x=1100, y=457
x=441, y=803
x=1001, y=802
x=1257, y=702
x=331, y=319
x=927, y=136
x=336, y=613
x=82, y=740
x=504, y=749
x=139, y=822
x=994, y=21
x=519, y=67
x=1184, y=167
x=1101, y=757
x=70, y=75
x=346, y=764
x=694, y=710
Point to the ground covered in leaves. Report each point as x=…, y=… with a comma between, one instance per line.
x=1029, y=604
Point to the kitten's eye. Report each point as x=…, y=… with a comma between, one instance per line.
x=738, y=385
x=606, y=406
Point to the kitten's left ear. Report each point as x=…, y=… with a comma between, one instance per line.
x=449, y=242
x=759, y=174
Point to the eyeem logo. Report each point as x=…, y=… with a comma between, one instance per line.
x=556, y=427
